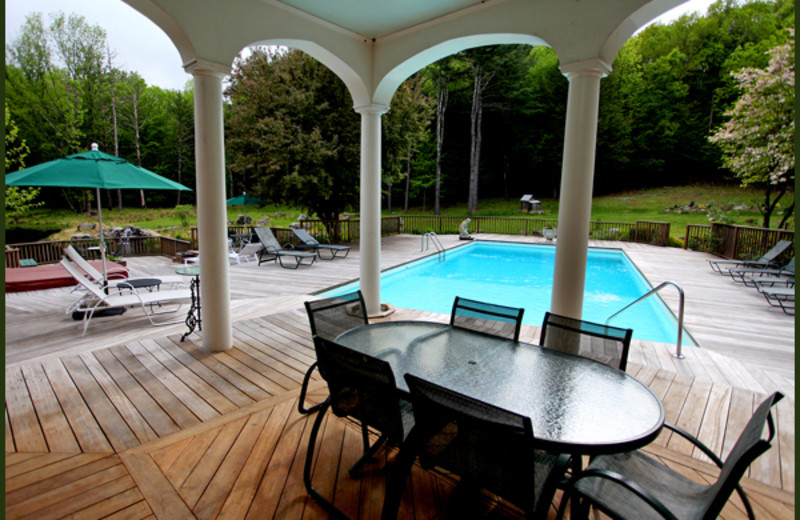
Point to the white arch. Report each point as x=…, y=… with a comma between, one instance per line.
x=352, y=80
x=389, y=83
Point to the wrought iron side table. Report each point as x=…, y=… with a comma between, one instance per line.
x=193, y=317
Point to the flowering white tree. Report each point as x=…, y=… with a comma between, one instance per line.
x=758, y=139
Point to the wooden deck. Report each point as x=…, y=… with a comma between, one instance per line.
x=129, y=422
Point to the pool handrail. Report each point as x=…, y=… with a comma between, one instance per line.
x=678, y=352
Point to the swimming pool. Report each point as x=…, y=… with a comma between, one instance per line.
x=521, y=275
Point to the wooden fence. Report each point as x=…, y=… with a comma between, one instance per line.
x=738, y=242
x=343, y=231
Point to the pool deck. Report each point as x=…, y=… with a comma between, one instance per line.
x=114, y=422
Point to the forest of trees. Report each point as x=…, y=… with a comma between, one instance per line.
x=487, y=122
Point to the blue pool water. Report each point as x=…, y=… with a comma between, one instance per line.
x=521, y=275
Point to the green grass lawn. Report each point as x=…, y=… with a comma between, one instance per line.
x=658, y=204
x=678, y=205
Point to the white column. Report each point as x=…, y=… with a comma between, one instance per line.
x=370, y=211
x=577, y=176
x=212, y=233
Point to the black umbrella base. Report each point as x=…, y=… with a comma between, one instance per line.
x=102, y=313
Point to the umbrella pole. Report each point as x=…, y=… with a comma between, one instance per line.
x=102, y=238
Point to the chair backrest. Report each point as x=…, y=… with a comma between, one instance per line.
x=89, y=285
x=330, y=317
x=484, y=445
x=748, y=448
x=499, y=320
x=305, y=236
x=776, y=250
x=361, y=387
x=81, y=262
x=789, y=268
x=609, y=345
x=266, y=237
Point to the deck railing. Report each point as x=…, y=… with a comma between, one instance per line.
x=51, y=252
x=738, y=242
x=725, y=240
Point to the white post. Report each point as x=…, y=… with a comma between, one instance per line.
x=217, y=329
x=370, y=211
x=577, y=176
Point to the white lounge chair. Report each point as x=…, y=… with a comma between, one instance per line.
x=96, y=299
x=97, y=277
x=246, y=253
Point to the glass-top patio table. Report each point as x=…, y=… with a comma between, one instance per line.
x=577, y=405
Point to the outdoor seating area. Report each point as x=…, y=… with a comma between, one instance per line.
x=158, y=427
x=775, y=282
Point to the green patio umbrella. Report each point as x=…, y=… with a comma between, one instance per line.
x=93, y=169
x=245, y=200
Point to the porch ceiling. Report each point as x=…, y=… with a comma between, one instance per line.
x=379, y=18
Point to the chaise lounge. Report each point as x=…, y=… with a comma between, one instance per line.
x=273, y=251
x=782, y=297
x=97, y=277
x=96, y=299
x=766, y=261
x=309, y=242
x=752, y=277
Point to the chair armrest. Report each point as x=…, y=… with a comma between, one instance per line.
x=705, y=449
x=694, y=440
x=632, y=486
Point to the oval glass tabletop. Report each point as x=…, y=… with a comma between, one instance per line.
x=576, y=404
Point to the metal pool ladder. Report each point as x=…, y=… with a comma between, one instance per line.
x=429, y=237
x=678, y=354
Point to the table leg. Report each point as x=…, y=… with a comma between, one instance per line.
x=193, y=317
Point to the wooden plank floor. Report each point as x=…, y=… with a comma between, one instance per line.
x=131, y=423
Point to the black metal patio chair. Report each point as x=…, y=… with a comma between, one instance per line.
x=636, y=486
x=328, y=318
x=486, y=447
x=361, y=388
x=491, y=318
x=609, y=345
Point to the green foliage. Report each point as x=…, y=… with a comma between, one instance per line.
x=183, y=212
x=405, y=130
x=19, y=201
x=292, y=133
x=65, y=93
x=758, y=139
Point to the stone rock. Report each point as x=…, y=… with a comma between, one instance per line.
x=264, y=221
x=81, y=236
x=295, y=225
x=86, y=226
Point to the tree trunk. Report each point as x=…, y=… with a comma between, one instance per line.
x=478, y=86
x=112, y=76
x=408, y=184
x=442, y=94
x=137, y=136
